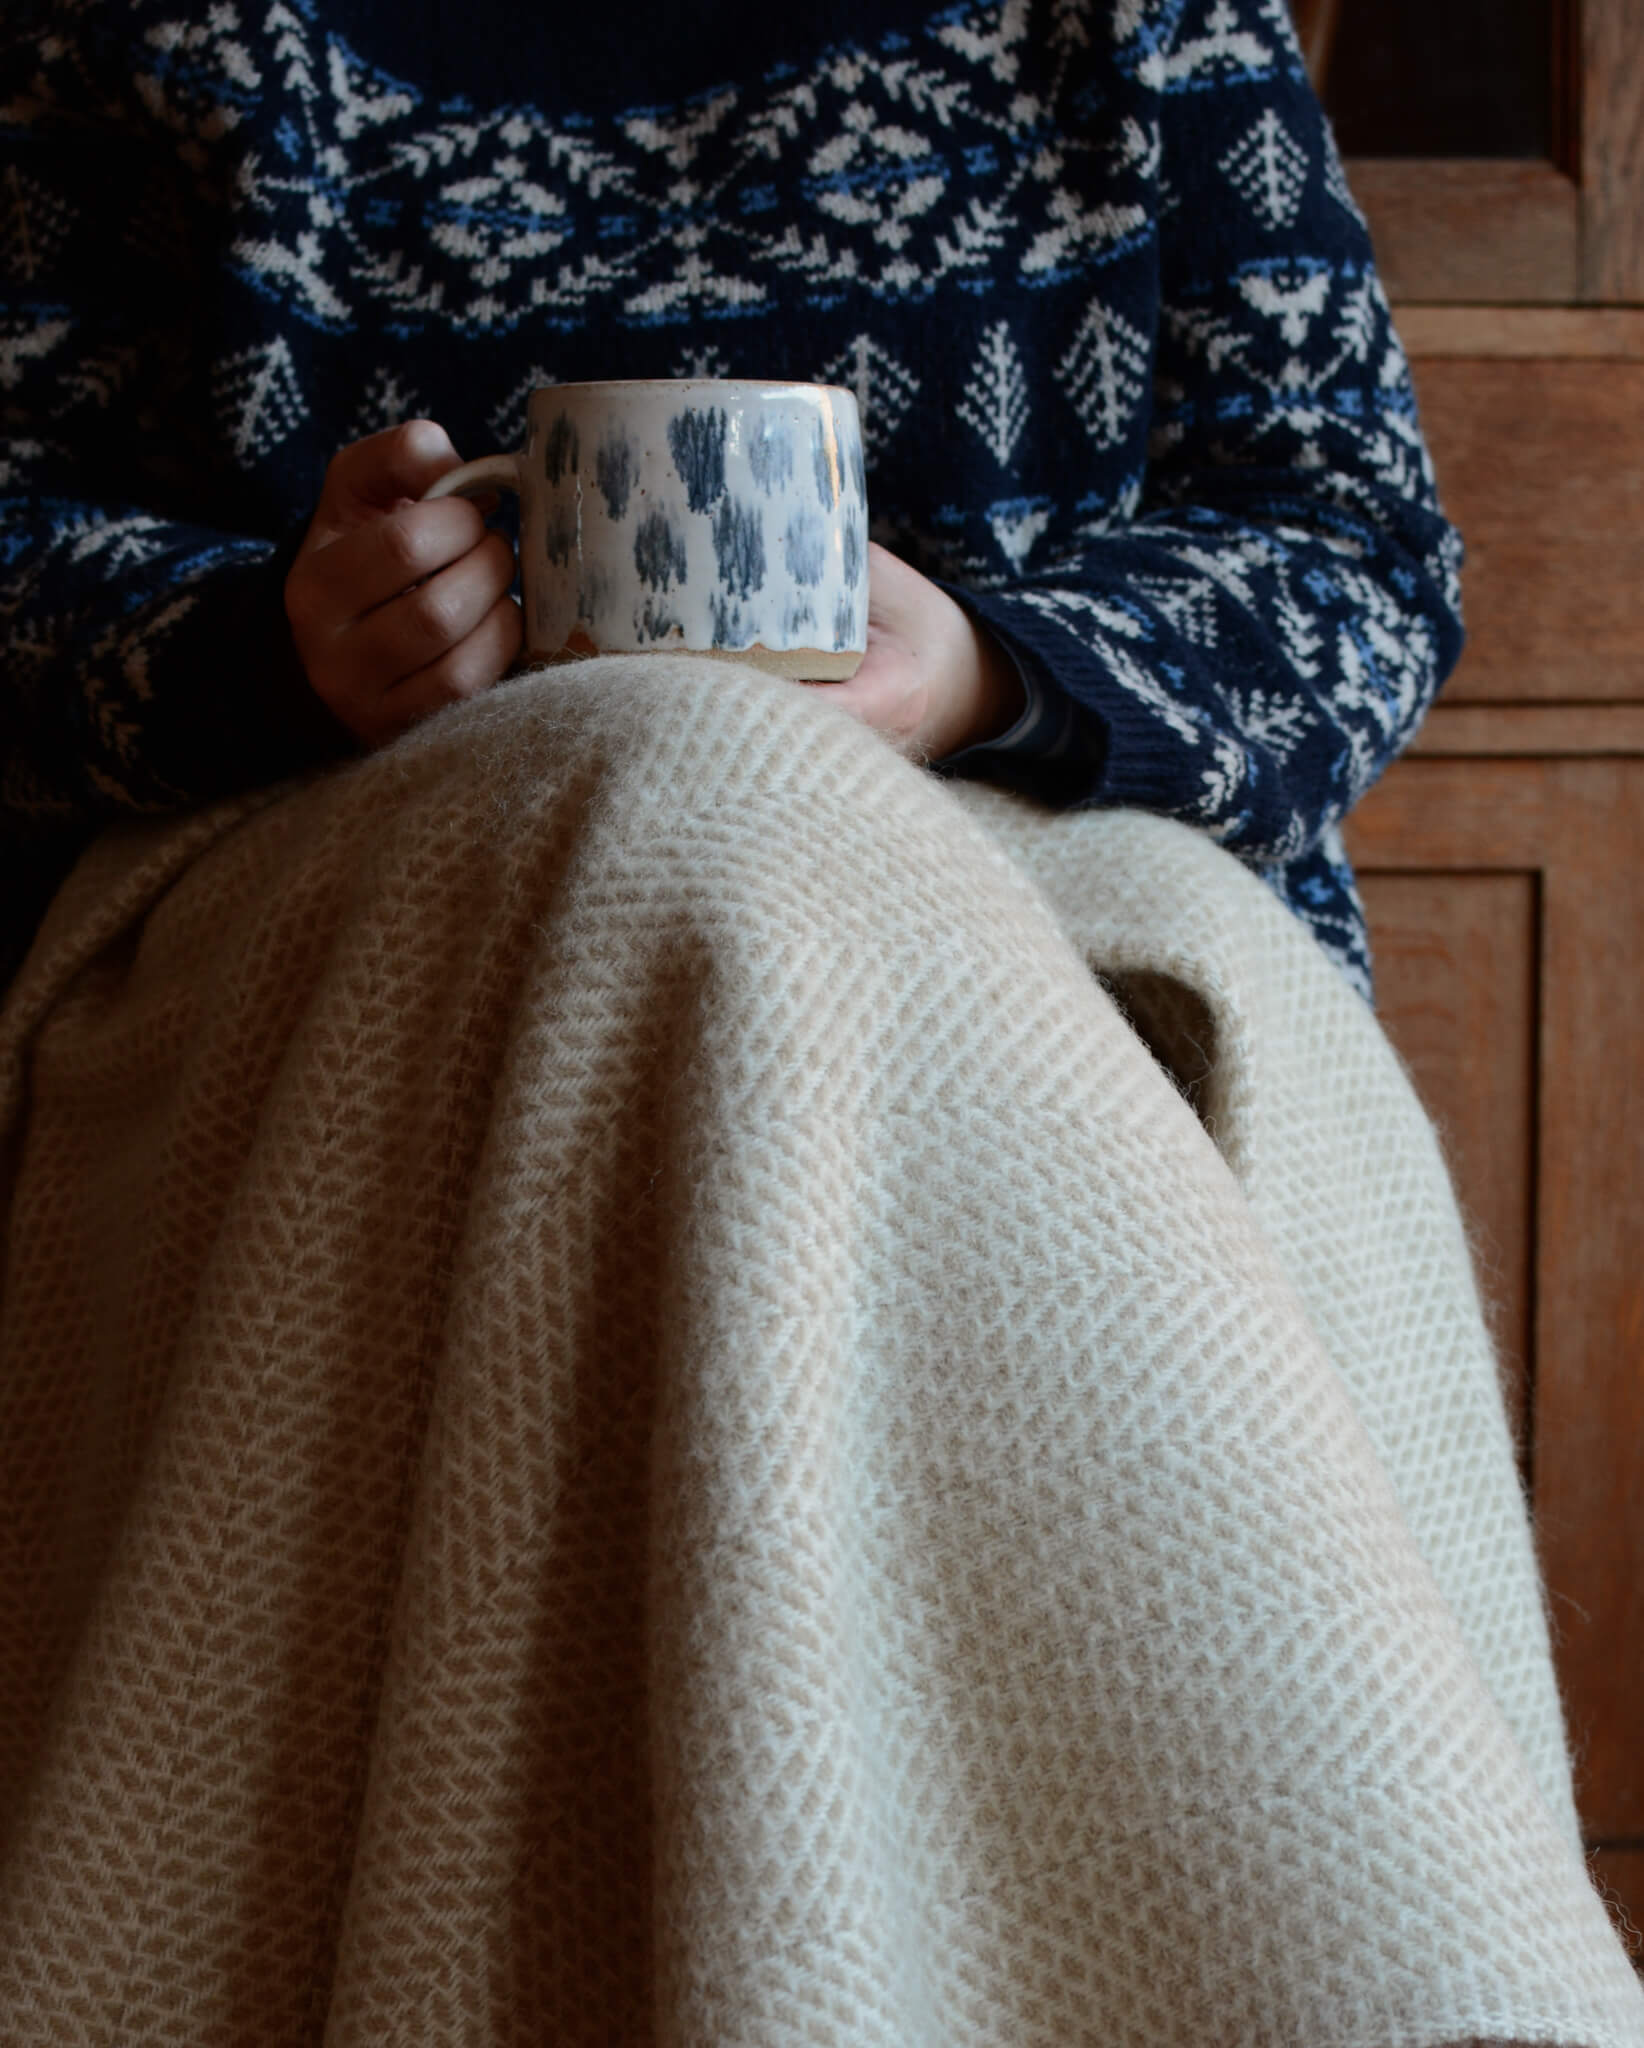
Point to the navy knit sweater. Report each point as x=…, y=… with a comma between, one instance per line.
x=1127, y=377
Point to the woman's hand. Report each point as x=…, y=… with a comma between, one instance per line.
x=932, y=681
x=398, y=607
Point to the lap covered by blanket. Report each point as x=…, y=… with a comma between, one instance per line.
x=633, y=1410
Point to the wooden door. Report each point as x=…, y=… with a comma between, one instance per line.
x=1561, y=226
x=1503, y=860
x=1506, y=896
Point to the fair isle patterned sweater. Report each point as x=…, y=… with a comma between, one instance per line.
x=1127, y=378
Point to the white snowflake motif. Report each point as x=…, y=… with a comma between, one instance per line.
x=884, y=389
x=1268, y=168
x=507, y=418
x=1189, y=605
x=908, y=179
x=25, y=340
x=1130, y=16
x=259, y=397
x=117, y=544
x=1105, y=374
x=697, y=282
x=1225, y=44
x=1070, y=24
x=1363, y=319
x=900, y=166
x=995, y=401
x=385, y=403
x=1293, y=297
x=993, y=47
x=1225, y=567
x=1270, y=720
x=17, y=459
x=1016, y=524
x=700, y=361
x=1386, y=658
x=497, y=220
x=135, y=647
x=185, y=94
x=1222, y=783
x=99, y=379
x=1103, y=627
x=1299, y=633
x=680, y=139
x=1077, y=231
x=360, y=97
x=34, y=222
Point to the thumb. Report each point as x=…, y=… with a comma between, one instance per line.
x=370, y=477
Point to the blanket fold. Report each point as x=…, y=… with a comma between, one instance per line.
x=632, y=1412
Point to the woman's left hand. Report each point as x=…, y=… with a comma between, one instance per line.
x=932, y=681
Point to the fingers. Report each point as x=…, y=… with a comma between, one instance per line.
x=933, y=680
x=367, y=566
x=372, y=476
x=463, y=671
x=445, y=635
x=419, y=625
x=397, y=605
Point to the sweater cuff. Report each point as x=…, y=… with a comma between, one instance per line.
x=1056, y=747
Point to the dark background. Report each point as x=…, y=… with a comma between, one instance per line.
x=1461, y=78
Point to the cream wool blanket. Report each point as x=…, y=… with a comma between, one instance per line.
x=631, y=1412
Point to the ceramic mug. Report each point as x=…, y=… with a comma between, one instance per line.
x=696, y=515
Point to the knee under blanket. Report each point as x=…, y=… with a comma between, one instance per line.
x=632, y=1412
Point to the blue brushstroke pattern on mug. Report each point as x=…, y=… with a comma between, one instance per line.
x=719, y=516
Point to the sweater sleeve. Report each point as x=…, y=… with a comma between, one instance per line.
x=1251, y=639
x=148, y=664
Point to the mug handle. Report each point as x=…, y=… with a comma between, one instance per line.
x=476, y=479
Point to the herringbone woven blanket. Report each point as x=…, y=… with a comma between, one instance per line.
x=632, y=1411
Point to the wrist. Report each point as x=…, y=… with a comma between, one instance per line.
x=1000, y=698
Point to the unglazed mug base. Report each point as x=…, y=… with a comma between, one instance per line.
x=798, y=664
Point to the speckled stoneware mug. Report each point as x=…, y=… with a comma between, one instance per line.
x=698, y=515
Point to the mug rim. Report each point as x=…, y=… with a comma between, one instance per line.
x=687, y=383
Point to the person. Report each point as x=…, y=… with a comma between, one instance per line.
x=631, y=1408
x=1132, y=399
x=381, y=653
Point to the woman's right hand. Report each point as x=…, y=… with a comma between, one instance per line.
x=398, y=607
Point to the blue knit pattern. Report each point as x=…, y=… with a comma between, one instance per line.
x=1128, y=382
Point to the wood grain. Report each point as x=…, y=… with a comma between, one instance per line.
x=1316, y=23
x=1576, y=731
x=1541, y=464
x=1589, y=1427
x=1579, y=826
x=1456, y=966
x=1460, y=228
x=1454, y=817
x=1612, y=151
x=1590, y=333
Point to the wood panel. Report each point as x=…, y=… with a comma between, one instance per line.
x=1612, y=151
x=1541, y=464
x=1459, y=228
x=1589, y=1447
x=1578, y=825
x=1558, y=231
x=1316, y=23
x=1589, y=333
x=1582, y=731
x=1456, y=971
